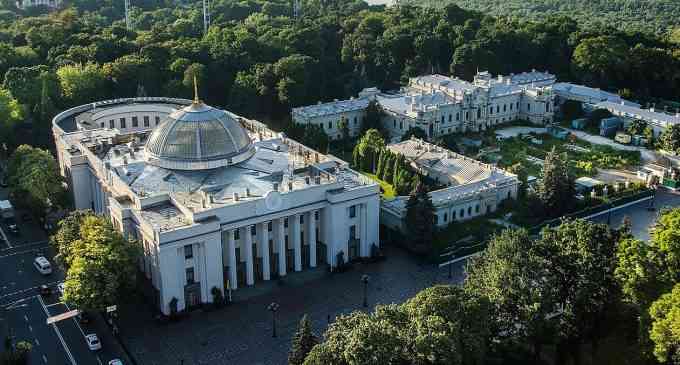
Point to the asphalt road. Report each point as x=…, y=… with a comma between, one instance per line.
x=24, y=312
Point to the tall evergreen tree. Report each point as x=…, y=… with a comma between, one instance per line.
x=420, y=220
x=388, y=170
x=556, y=189
x=303, y=342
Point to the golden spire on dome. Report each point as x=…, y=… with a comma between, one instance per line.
x=196, y=100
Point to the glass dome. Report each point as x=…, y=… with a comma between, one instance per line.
x=198, y=137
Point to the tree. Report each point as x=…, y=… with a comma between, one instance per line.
x=373, y=118
x=68, y=232
x=597, y=57
x=102, y=266
x=82, y=84
x=637, y=127
x=367, y=150
x=420, y=220
x=303, y=342
x=665, y=331
x=572, y=109
x=556, y=188
x=315, y=137
x=440, y=325
x=34, y=180
x=17, y=354
x=10, y=115
x=669, y=140
x=511, y=274
x=414, y=132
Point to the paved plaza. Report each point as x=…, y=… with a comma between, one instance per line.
x=242, y=333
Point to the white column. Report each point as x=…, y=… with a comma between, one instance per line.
x=294, y=222
x=311, y=238
x=231, y=247
x=247, y=241
x=364, y=247
x=280, y=237
x=264, y=247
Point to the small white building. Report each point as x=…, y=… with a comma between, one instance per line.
x=472, y=188
x=657, y=120
x=215, y=200
x=25, y=4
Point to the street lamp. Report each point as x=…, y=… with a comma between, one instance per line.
x=273, y=307
x=364, y=279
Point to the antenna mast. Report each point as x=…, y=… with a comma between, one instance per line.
x=128, y=24
x=206, y=16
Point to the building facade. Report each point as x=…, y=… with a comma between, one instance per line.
x=215, y=200
x=25, y=4
x=441, y=105
x=472, y=188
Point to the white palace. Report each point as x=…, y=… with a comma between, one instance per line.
x=215, y=199
x=441, y=105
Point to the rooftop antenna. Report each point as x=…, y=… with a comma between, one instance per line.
x=196, y=100
x=206, y=16
x=128, y=24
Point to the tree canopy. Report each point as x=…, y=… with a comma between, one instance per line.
x=34, y=180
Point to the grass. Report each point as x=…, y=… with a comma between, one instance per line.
x=386, y=189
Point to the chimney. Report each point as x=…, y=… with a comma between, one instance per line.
x=290, y=186
x=235, y=196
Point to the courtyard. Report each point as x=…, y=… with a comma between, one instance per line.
x=242, y=332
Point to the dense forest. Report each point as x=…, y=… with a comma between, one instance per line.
x=256, y=59
x=650, y=15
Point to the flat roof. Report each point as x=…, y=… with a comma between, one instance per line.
x=331, y=108
x=649, y=115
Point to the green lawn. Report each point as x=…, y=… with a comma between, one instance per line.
x=386, y=188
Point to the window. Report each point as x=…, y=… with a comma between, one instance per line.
x=518, y=105
x=467, y=115
x=253, y=230
x=352, y=232
x=285, y=222
x=146, y=120
x=436, y=219
x=453, y=216
x=462, y=213
x=394, y=123
x=330, y=125
x=401, y=125
x=510, y=106
x=442, y=119
x=490, y=110
x=135, y=122
x=450, y=118
x=469, y=210
x=446, y=217
x=188, y=251
x=479, y=113
x=237, y=234
x=498, y=108
x=547, y=107
x=158, y=120
x=316, y=215
x=102, y=124
x=302, y=219
x=355, y=120
x=286, y=240
x=457, y=116
x=269, y=226
x=505, y=108
x=477, y=208
x=528, y=107
x=122, y=122
x=352, y=211
x=190, y=275
x=112, y=124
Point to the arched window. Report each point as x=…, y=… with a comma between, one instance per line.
x=469, y=210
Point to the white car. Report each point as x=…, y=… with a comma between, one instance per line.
x=116, y=362
x=93, y=342
x=60, y=289
x=42, y=265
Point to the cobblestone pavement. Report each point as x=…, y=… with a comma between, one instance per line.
x=242, y=332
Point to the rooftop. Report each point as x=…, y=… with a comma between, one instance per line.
x=332, y=108
x=649, y=115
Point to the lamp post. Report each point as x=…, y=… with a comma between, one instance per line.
x=364, y=279
x=273, y=307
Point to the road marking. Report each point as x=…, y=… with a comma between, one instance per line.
x=22, y=252
x=30, y=329
x=56, y=330
x=5, y=237
x=25, y=318
x=37, y=342
x=44, y=357
x=27, y=245
x=75, y=321
x=25, y=290
x=99, y=360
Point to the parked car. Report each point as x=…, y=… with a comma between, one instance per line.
x=42, y=265
x=12, y=225
x=116, y=362
x=60, y=289
x=45, y=290
x=93, y=342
